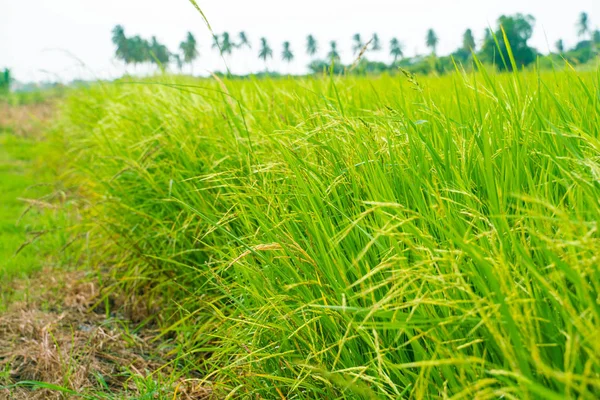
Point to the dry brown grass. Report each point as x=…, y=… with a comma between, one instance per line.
x=57, y=336
x=24, y=119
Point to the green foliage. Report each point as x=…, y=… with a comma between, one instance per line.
x=348, y=237
x=507, y=47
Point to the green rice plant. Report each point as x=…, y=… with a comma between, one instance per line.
x=344, y=237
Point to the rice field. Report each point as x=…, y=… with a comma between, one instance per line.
x=354, y=237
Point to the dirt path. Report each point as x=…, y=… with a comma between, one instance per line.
x=59, y=335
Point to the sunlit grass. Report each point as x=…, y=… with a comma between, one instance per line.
x=356, y=237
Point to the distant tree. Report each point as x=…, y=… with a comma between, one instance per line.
x=560, y=47
x=178, y=62
x=468, y=41
x=431, y=40
x=139, y=50
x=333, y=54
x=189, y=50
x=160, y=55
x=358, y=43
x=396, y=49
x=596, y=36
x=5, y=80
x=583, y=25
x=311, y=45
x=375, y=44
x=287, y=55
x=518, y=29
x=243, y=40
x=265, y=51
x=120, y=41
x=216, y=44
x=226, y=43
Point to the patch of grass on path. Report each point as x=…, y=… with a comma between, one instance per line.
x=17, y=182
x=32, y=216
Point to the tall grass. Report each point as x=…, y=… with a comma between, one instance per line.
x=356, y=237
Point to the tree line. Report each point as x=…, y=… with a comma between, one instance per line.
x=513, y=31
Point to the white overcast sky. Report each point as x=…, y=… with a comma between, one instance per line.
x=68, y=39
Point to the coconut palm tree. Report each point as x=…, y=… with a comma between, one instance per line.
x=189, y=50
x=139, y=50
x=396, y=49
x=160, y=54
x=178, y=62
x=468, y=41
x=243, y=40
x=287, y=55
x=432, y=40
x=265, y=51
x=311, y=45
x=120, y=40
x=333, y=54
x=375, y=44
x=583, y=24
x=358, y=43
x=226, y=43
x=216, y=44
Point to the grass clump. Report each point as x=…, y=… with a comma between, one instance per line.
x=356, y=237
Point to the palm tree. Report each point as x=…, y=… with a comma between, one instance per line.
x=583, y=24
x=431, y=40
x=226, y=43
x=358, y=43
x=376, y=44
x=189, y=50
x=244, y=40
x=468, y=41
x=287, y=54
x=560, y=47
x=333, y=54
x=216, y=44
x=139, y=50
x=311, y=45
x=396, y=49
x=120, y=40
x=178, y=62
x=160, y=54
x=265, y=51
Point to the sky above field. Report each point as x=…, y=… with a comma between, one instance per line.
x=71, y=39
